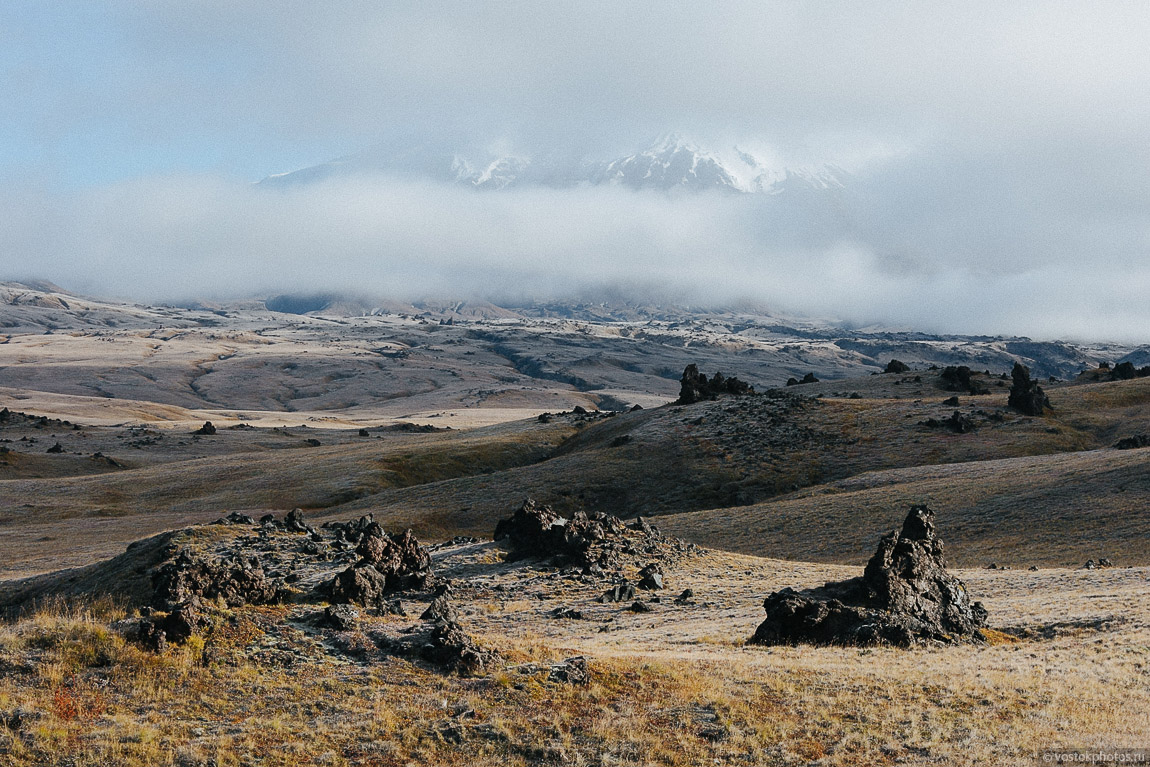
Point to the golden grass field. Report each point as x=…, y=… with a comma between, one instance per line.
x=788, y=489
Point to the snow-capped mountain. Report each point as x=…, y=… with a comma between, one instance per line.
x=670, y=163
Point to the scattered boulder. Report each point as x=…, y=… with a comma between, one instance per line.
x=1092, y=564
x=571, y=671
x=694, y=386
x=651, y=577
x=451, y=649
x=807, y=379
x=567, y=613
x=294, y=523
x=1133, y=442
x=341, y=617
x=894, y=366
x=361, y=584
x=685, y=598
x=206, y=430
x=57, y=448
x=620, y=592
x=1026, y=396
x=235, y=518
x=537, y=531
x=961, y=378
x=440, y=611
x=957, y=423
x=639, y=607
x=904, y=596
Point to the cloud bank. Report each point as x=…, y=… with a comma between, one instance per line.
x=1016, y=200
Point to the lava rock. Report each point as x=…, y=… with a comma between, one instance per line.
x=537, y=531
x=341, y=617
x=651, y=577
x=1134, y=442
x=894, y=366
x=206, y=430
x=904, y=596
x=451, y=649
x=237, y=581
x=694, y=386
x=1026, y=396
x=440, y=611
x=571, y=671
x=620, y=592
x=294, y=523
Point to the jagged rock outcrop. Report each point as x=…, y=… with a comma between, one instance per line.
x=695, y=387
x=957, y=423
x=904, y=596
x=388, y=563
x=961, y=378
x=895, y=366
x=1026, y=396
x=207, y=430
x=237, y=581
x=537, y=531
x=1133, y=442
x=452, y=650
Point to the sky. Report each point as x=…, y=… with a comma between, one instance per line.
x=1011, y=194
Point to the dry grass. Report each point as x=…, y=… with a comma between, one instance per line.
x=89, y=698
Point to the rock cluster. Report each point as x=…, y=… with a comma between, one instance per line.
x=387, y=563
x=957, y=423
x=236, y=581
x=961, y=378
x=904, y=596
x=1026, y=396
x=593, y=542
x=895, y=366
x=695, y=387
x=1133, y=442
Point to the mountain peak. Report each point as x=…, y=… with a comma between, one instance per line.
x=673, y=161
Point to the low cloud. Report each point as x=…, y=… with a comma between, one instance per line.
x=952, y=258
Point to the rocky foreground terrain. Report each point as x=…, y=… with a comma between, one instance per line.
x=474, y=535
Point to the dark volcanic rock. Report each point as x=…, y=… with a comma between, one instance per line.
x=620, y=592
x=237, y=581
x=571, y=671
x=651, y=577
x=451, y=649
x=694, y=386
x=440, y=611
x=957, y=423
x=206, y=430
x=894, y=366
x=341, y=617
x=961, y=378
x=387, y=563
x=294, y=523
x=537, y=531
x=399, y=557
x=904, y=596
x=1026, y=396
x=1130, y=443
x=361, y=584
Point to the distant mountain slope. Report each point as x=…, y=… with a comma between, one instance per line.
x=671, y=162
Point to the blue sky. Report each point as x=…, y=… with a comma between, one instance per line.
x=1018, y=199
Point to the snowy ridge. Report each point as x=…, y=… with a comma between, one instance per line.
x=670, y=163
